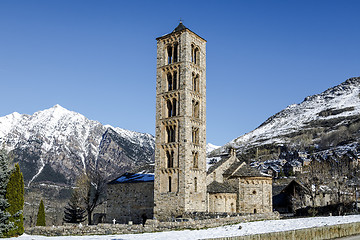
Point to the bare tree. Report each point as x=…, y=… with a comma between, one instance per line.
x=91, y=187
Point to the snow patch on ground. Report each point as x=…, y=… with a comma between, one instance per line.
x=248, y=228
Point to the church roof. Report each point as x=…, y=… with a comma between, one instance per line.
x=216, y=187
x=241, y=169
x=180, y=27
x=223, y=159
x=133, y=178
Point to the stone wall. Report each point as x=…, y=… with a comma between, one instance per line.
x=222, y=202
x=255, y=195
x=129, y=201
x=326, y=232
x=150, y=226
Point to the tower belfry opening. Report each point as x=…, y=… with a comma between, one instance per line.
x=180, y=124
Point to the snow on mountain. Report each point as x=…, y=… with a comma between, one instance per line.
x=332, y=107
x=66, y=143
x=210, y=147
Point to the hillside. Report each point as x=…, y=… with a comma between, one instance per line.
x=321, y=121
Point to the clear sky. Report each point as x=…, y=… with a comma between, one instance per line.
x=98, y=58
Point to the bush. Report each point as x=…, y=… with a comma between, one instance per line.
x=15, y=197
x=40, y=220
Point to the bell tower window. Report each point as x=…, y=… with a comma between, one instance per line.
x=171, y=106
x=195, y=160
x=170, y=159
x=170, y=132
x=195, y=82
x=195, y=135
x=169, y=54
x=169, y=184
x=195, y=184
x=175, y=52
x=195, y=54
x=195, y=109
x=170, y=82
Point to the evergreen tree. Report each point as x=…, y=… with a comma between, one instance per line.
x=15, y=197
x=40, y=220
x=74, y=213
x=5, y=224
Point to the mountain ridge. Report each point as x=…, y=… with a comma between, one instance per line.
x=67, y=143
x=338, y=105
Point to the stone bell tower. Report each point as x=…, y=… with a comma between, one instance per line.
x=180, y=147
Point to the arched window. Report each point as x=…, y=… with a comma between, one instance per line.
x=195, y=82
x=174, y=84
x=170, y=131
x=195, y=105
x=169, y=54
x=175, y=52
x=169, y=108
x=170, y=159
x=169, y=184
x=195, y=160
x=170, y=82
x=195, y=135
x=192, y=53
x=195, y=184
x=196, y=56
x=174, y=107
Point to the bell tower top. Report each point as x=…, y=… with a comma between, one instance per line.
x=180, y=28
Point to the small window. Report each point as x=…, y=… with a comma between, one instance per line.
x=170, y=130
x=195, y=105
x=170, y=159
x=170, y=82
x=195, y=135
x=169, y=54
x=169, y=184
x=196, y=56
x=175, y=52
x=196, y=160
x=195, y=184
x=169, y=108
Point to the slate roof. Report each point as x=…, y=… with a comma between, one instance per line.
x=216, y=187
x=133, y=178
x=179, y=27
x=241, y=169
x=223, y=159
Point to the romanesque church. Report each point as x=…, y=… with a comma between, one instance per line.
x=181, y=185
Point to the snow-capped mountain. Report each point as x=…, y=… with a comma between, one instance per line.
x=316, y=115
x=57, y=144
x=211, y=147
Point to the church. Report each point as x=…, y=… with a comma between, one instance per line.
x=181, y=185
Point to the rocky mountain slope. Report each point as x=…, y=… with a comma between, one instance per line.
x=335, y=113
x=57, y=145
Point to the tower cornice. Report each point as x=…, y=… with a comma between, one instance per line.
x=181, y=31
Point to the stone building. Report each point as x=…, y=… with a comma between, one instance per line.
x=182, y=185
x=130, y=198
x=253, y=189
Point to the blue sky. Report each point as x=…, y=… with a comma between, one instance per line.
x=98, y=58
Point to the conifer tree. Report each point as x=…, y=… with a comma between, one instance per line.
x=74, y=213
x=40, y=220
x=15, y=197
x=5, y=224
